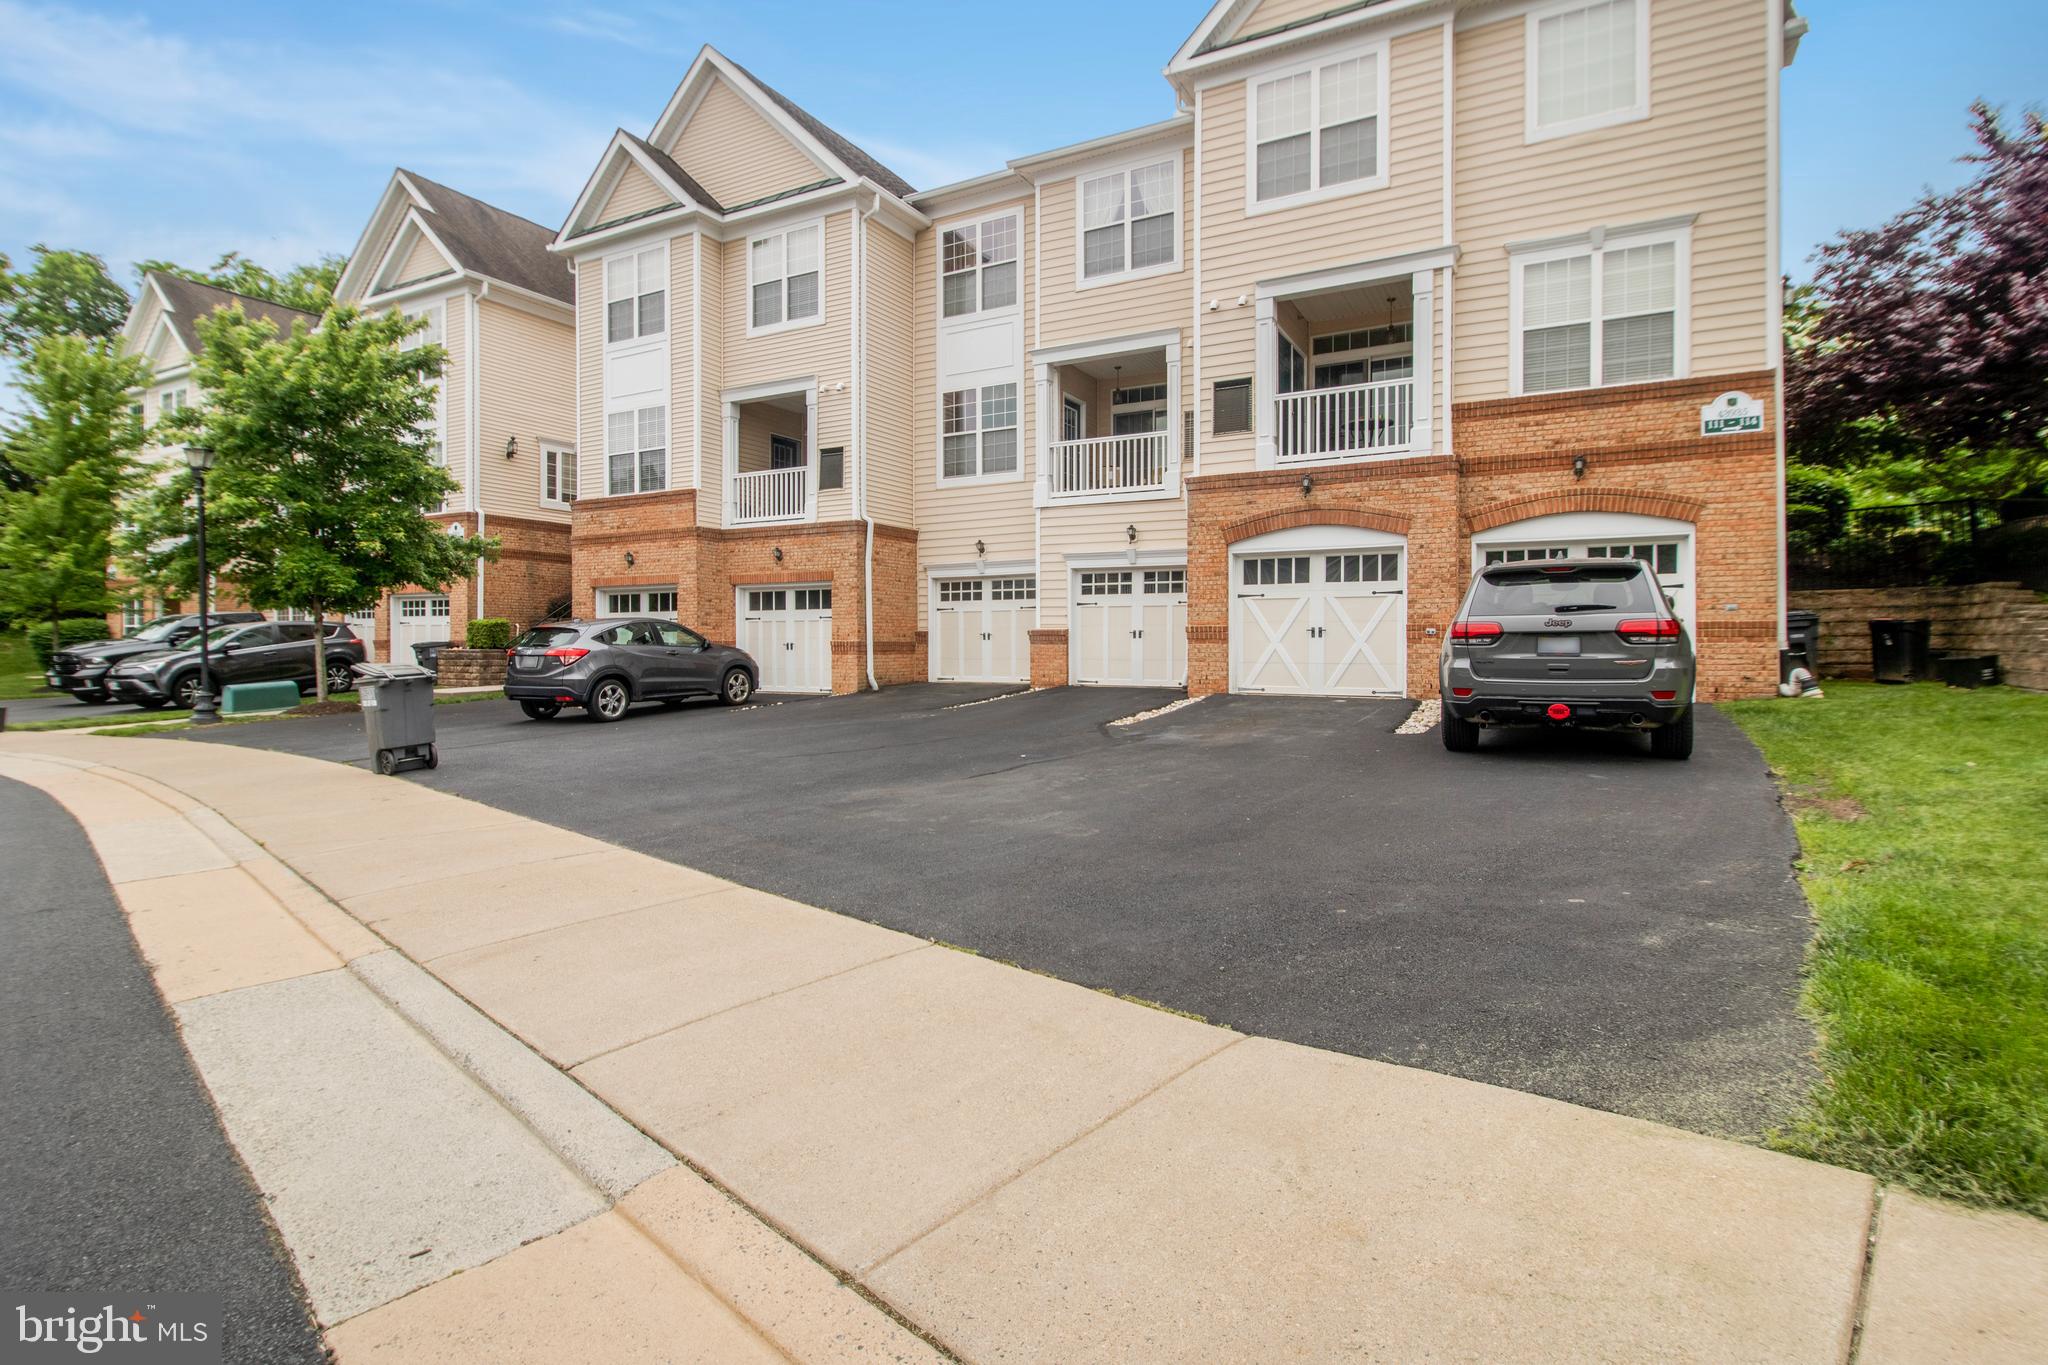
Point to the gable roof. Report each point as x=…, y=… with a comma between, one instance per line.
x=486, y=240
x=858, y=161
x=187, y=301
x=675, y=172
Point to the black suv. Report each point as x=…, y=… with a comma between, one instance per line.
x=262, y=651
x=81, y=670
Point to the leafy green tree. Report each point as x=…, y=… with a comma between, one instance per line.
x=308, y=287
x=75, y=448
x=65, y=293
x=323, y=478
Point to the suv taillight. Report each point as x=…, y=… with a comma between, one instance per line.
x=566, y=656
x=1476, y=632
x=1660, y=630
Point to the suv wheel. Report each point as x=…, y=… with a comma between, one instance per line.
x=1673, y=740
x=608, y=701
x=186, y=690
x=1460, y=736
x=736, y=688
x=340, y=678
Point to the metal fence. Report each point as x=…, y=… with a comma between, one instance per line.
x=1922, y=544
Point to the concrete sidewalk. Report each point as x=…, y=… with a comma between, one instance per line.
x=866, y=1146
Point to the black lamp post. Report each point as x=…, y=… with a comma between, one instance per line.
x=199, y=459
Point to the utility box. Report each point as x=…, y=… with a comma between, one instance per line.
x=240, y=699
x=398, y=715
x=1969, y=670
x=1898, y=651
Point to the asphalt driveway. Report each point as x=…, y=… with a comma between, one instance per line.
x=1562, y=915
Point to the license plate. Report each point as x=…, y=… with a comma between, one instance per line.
x=526, y=661
x=1557, y=644
x=52, y=677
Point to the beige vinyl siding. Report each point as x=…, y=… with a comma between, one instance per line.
x=1704, y=149
x=758, y=422
x=1240, y=249
x=682, y=442
x=152, y=313
x=1273, y=13
x=455, y=393
x=951, y=519
x=890, y=347
x=1101, y=528
x=710, y=410
x=590, y=377
x=821, y=352
x=1155, y=303
x=424, y=260
x=636, y=192
x=527, y=389
x=737, y=155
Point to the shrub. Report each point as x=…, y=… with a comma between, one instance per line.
x=1817, y=510
x=80, y=630
x=490, y=632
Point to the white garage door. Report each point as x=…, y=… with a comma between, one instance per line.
x=1129, y=627
x=1665, y=545
x=1328, y=623
x=789, y=633
x=417, y=619
x=979, y=628
x=364, y=624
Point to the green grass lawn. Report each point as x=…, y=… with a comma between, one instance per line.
x=1923, y=815
x=19, y=675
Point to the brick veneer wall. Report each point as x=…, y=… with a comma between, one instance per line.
x=1514, y=458
x=706, y=564
x=531, y=572
x=2004, y=619
x=1048, y=658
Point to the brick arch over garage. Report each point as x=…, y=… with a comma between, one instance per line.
x=1368, y=519
x=1583, y=500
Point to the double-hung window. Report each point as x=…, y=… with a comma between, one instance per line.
x=431, y=334
x=635, y=295
x=979, y=431
x=1130, y=220
x=1588, y=66
x=785, y=274
x=978, y=266
x=1611, y=314
x=636, y=450
x=557, y=475
x=1319, y=130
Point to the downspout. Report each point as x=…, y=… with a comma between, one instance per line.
x=860, y=432
x=471, y=401
x=1774, y=289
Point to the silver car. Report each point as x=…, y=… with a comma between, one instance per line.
x=1588, y=644
x=605, y=666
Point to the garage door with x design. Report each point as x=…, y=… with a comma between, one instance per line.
x=1330, y=624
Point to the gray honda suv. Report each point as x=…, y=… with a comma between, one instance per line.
x=1589, y=644
x=605, y=666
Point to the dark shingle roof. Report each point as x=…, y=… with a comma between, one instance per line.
x=860, y=162
x=488, y=241
x=1215, y=44
x=191, y=301
x=674, y=171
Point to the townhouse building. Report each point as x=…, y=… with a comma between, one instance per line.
x=492, y=295
x=162, y=328
x=1237, y=399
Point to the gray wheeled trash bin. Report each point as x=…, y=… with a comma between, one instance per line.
x=398, y=715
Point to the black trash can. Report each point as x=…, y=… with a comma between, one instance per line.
x=1898, y=651
x=1802, y=644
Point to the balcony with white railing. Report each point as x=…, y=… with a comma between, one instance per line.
x=771, y=495
x=1350, y=420
x=1108, y=464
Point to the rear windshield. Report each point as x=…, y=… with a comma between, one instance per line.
x=1535, y=591
x=546, y=637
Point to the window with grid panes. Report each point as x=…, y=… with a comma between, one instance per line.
x=978, y=431
x=1172, y=582
x=1013, y=590
x=978, y=266
x=1380, y=567
x=1661, y=556
x=813, y=599
x=635, y=295
x=636, y=450
x=1116, y=584
x=959, y=590
x=1275, y=570
x=785, y=272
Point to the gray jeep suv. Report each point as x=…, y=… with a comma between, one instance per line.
x=1589, y=644
x=605, y=666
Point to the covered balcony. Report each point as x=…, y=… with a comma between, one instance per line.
x=1109, y=421
x=1347, y=368
x=770, y=442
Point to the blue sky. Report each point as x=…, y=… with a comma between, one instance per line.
x=139, y=130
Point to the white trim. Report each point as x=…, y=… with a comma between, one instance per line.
x=1195, y=388
x=977, y=221
x=1363, y=272
x=1783, y=45
x=1595, y=244
x=556, y=449
x=639, y=338
x=1594, y=237
x=1096, y=561
x=945, y=480
x=787, y=324
x=1193, y=68
x=731, y=400
x=1126, y=169
x=982, y=568
x=696, y=360
x=1110, y=144
x=1575, y=529
x=1380, y=51
x=1088, y=350
x=1532, y=131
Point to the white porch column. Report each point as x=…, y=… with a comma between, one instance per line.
x=731, y=463
x=1265, y=384
x=811, y=453
x=1423, y=285
x=1042, y=447
x=1173, y=416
